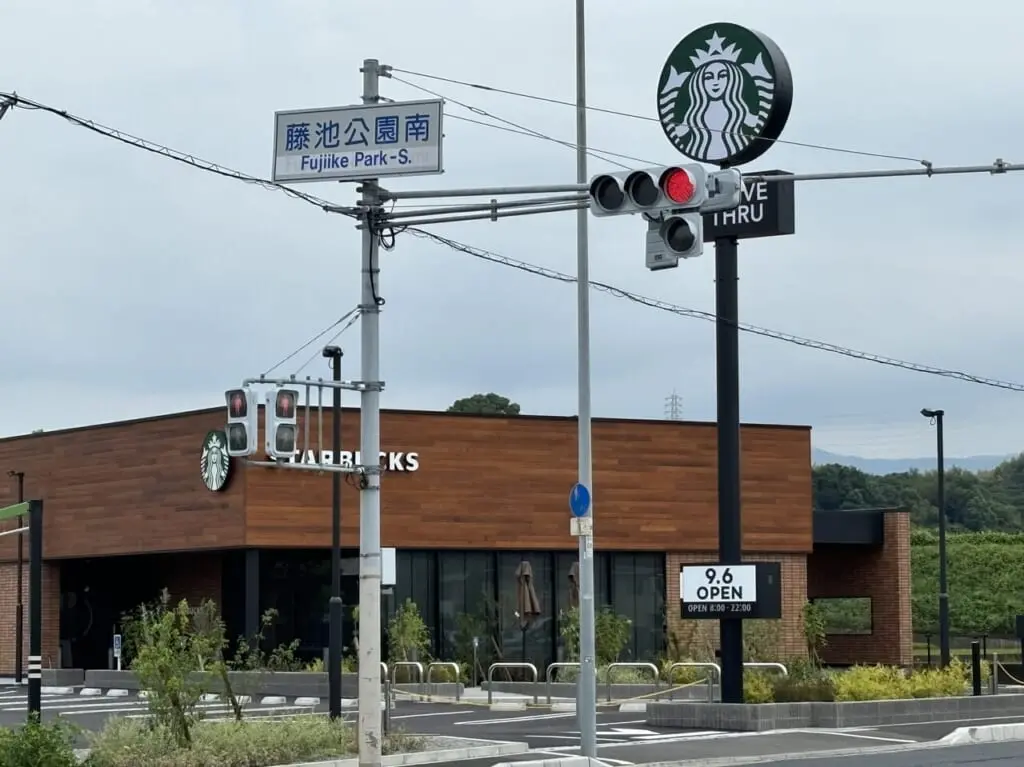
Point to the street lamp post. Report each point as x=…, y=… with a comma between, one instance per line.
x=19, y=608
x=936, y=416
x=334, y=354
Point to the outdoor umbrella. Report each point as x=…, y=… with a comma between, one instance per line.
x=574, y=585
x=527, y=604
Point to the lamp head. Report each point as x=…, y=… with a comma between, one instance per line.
x=333, y=352
x=932, y=413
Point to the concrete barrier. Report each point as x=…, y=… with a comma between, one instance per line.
x=990, y=733
x=63, y=677
x=758, y=717
x=294, y=684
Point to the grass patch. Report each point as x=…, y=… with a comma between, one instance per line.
x=249, y=743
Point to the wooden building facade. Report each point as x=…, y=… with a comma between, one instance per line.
x=465, y=499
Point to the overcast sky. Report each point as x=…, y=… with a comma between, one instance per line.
x=134, y=285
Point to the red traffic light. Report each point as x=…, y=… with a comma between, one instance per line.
x=285, y=402
x=678, y=185
x=238, y=403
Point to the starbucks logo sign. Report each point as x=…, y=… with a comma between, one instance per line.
x=724, y=95
x=214, y=462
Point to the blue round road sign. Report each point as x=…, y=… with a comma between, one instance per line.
x=579, y=500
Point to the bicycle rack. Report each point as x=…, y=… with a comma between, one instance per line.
x=780, y=667
x=409, y=664
x=649, y=666
x=490, y=677
x=388, y=692
x=714, y=667
x=547, y=675
x=445, y=664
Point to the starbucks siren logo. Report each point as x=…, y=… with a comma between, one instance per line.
x=215, y=463
x=724, y=94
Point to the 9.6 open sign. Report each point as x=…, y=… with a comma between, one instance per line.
x=730, y=591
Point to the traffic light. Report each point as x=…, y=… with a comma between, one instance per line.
x=725, y=191
x=650, y=190
x=679, y=235
x=242, y=421
x=282, y=423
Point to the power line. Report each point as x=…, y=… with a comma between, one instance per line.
x=810, y=343
x=619, y=113
x=8, y=100
x=351, y=315
x=510, y=124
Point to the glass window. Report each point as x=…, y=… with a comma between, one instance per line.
x=638, y=593
x=531, y=639
x=846, y=615
x=467, y=606
x=416, y=573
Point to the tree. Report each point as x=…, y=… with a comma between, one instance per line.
x=485, y=404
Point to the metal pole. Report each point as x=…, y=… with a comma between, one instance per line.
x=730, y=550
x=586, y=687
x=370, y=731
x=335, y=610
x=943, y=573
x=19, y=608
x=35, y=608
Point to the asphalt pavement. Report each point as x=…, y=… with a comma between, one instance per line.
x=624, y=738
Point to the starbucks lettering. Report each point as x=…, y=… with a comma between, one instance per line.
x=390, y=461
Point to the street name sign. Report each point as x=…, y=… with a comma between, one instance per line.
x=724, y=94
x=402, y=138
x=731, y=591
x=766, y=209
x=17, y=510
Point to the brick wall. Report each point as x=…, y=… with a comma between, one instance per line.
x=699, y=638
x=51, y=616
x=881, y=573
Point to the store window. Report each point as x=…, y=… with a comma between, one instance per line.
x=638, y=593
x=529, y=638
x=416, y=573
x=466, y=604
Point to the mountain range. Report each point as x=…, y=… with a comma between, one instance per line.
x=899, y=465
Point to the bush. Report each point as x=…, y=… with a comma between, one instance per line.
x=247, y=743
x=757, y=687
x=38, y=745
x=892, y=683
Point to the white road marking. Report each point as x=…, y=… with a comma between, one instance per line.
x=528, y=718
x=840, y=733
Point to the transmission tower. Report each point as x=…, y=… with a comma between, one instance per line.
x=674, y=407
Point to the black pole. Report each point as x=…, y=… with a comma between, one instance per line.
x=19, y=608
x=35, y=608
x=335, y=615
x=730, y=550
x=976, y=667
x=943, y=571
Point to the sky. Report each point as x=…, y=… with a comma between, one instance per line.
x=134, y=285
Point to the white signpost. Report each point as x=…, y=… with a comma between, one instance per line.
x=354, y=143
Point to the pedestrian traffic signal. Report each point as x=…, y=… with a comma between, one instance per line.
x=649, y=190
x=282, y=423
x=242, y=421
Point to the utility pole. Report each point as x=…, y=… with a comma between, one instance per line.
x=19, y=608
x=370, y=730
x=936, y=417
x=35, y=608
x=586, y=687
x=334, y=354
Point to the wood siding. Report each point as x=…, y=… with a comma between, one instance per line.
x=488, y=482
x=122, y=488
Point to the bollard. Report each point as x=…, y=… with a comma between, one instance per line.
x=976, y=666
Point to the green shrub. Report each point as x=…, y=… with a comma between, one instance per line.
x=247, y=743
x=683, y=676
x=38, y=745
x=757, y=687
x=786, y=689
x=872, y=683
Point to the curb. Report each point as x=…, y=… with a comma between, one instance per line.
x=58, y=690
x=508, y=705
x=992, y=733
x=90, y=692
x=500, y=748
x=564, y=761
